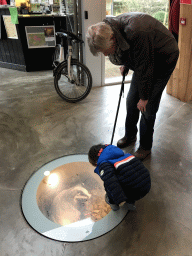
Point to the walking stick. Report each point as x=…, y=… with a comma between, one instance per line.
x=121, y=91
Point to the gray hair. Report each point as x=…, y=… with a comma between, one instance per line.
x=98, y=37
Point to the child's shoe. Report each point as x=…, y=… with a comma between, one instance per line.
x=114, y=207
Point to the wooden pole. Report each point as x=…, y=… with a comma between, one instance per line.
x=180, y=84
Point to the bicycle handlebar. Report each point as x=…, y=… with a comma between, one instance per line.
x=65, y=33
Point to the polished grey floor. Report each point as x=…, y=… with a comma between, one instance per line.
x=36, y=126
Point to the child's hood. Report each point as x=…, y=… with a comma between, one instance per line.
x=109, y=153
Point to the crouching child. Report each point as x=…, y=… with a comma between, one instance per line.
x=125, y=177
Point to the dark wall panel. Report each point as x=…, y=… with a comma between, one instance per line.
x=10, y=49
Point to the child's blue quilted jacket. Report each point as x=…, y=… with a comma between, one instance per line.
x=125, y=177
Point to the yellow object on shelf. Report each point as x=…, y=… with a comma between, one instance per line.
x=19, y=2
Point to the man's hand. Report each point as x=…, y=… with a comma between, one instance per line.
x=141, y=105
x=122, y=68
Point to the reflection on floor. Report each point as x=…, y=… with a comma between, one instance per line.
x=72, y=192
x=37, y=126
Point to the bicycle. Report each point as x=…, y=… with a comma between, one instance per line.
x=72, y=79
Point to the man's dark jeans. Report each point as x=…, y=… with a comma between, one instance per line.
x=147, y=121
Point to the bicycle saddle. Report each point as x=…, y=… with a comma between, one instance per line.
x=72, y=36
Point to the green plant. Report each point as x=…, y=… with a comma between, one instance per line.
x=161, y=16
x=151, y=7
x=117, y=7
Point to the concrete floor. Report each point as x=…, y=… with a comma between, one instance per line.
x=37, y=126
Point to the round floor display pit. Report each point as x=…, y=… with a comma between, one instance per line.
x=65, y=201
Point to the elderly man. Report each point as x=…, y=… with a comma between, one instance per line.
x=141, y=43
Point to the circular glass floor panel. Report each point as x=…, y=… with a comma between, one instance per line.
x=64, y=201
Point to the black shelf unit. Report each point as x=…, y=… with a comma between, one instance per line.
x=15, y=54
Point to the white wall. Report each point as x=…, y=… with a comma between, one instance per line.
x=96, y=13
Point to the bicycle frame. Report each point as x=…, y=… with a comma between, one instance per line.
x=68, y=59
x=61, y=54
x=71, y=37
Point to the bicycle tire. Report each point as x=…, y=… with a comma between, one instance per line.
x=66, y=89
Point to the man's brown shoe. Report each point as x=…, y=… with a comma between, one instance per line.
x=142, y=153
x=125, y=142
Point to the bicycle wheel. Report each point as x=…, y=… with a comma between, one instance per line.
x=80, y=86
